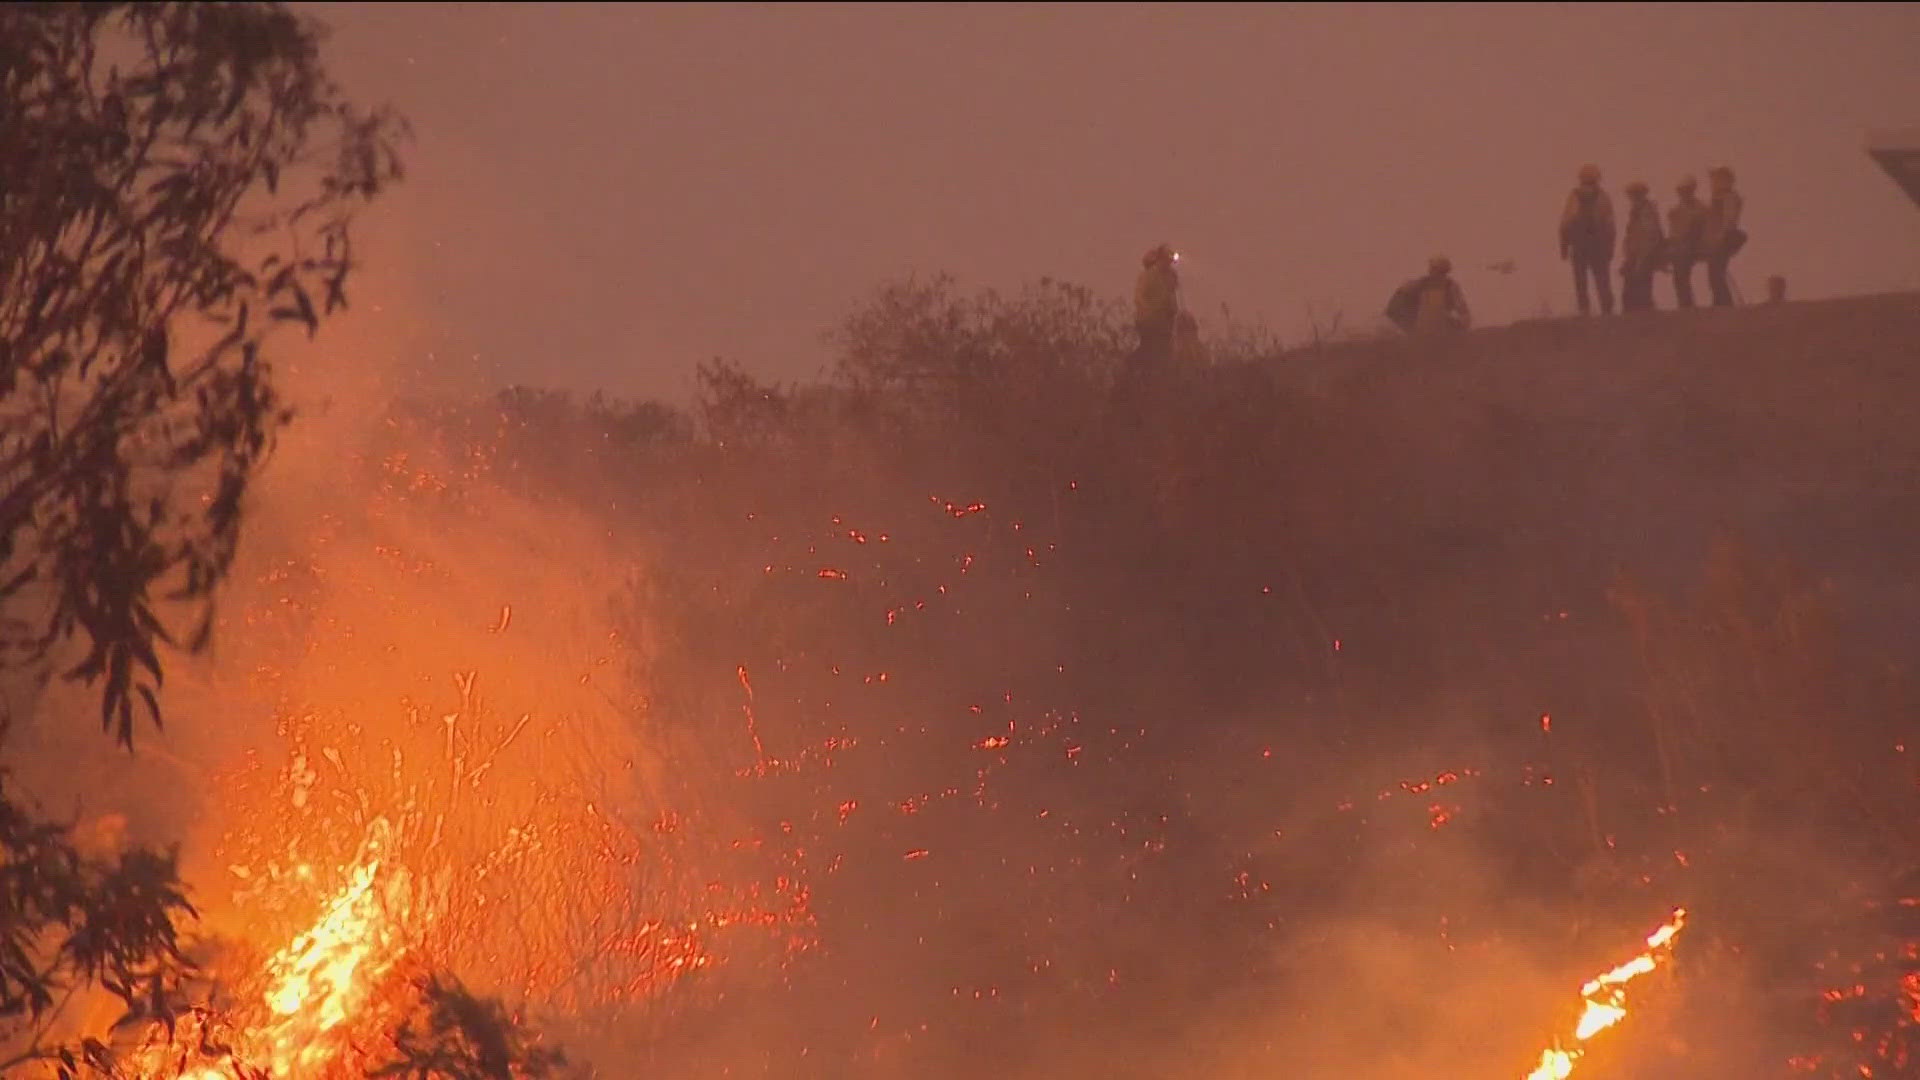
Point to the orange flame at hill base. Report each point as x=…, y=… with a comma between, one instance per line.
x=324, y=978
x=608, y=924
x=304, y=1010
x=394, y=825
x=1605, y=997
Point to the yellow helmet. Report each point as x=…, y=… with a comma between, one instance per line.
x=1589, y=174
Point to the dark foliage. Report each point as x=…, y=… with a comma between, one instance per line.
x=455, y=1035
x=71, y=920
x=177, y=179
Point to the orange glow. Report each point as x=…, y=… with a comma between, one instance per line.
x=323, y=978
x=1604, y=999
x=449, y=785
x=304, y=1012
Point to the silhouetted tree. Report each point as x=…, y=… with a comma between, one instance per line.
x=917, y=340
x=455, y=1035
x=177, y=178
x=71, y=919
x=735, y=409
x=174, y=179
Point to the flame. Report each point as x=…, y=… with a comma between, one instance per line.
x=399, y=824
x=324, y=977
x=411, y=900
x=1605, y=997
x=299, y=1012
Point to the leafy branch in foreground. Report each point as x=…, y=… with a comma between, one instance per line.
x=71, y=920
x=178, y=178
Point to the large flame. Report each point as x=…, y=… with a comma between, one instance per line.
x=412, y=815
x=301, y=1011
x=324, y=977
x=1605, y=998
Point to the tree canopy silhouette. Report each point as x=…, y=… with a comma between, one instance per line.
x=177, y=179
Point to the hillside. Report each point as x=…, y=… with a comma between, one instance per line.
x=1664, y=561
x=1791, y=425
x=994, y=720
x=1556, y=453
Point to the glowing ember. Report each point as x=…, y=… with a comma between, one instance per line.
x=1605, y=996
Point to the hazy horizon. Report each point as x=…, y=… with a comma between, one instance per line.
x=600, y=196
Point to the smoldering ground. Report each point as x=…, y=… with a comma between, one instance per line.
x=1012, y=751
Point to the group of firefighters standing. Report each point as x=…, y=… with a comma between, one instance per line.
x=1695, y=232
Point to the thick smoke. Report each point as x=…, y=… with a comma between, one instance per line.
x=1296, y=732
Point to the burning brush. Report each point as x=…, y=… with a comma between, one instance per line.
x=298, y=1014
x=509, y=832
x=1605, y=997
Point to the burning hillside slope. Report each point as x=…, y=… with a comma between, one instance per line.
x=1317, y=752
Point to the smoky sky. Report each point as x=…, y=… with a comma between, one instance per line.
x=602, y=195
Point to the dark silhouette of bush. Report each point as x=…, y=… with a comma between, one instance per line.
x=71, y=920
x=456, y=1035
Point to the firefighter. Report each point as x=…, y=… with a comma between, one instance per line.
x=1686, y=225
x=1189, y=349
x=1156, y=305
x=1586, y=239
x=1431, y=305
x=1722, y=237
x=1642, y=252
